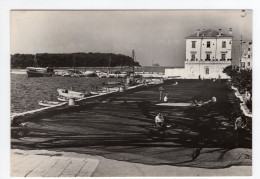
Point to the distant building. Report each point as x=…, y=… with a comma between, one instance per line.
x=208, y=52
x=246, y=56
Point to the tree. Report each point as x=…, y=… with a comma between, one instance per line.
x=242, y=79
x=67, y=60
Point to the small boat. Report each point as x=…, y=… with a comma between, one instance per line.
x=174, y=104
x=62, y=98
x=94, y=92
x=90, y=74
x=39, y=72
x=71, y=94
x=114, y=83
x=48, y=103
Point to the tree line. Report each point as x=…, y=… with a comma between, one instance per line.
x=71, y=60
x=242, y=79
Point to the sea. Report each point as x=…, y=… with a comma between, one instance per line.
x=26, y=92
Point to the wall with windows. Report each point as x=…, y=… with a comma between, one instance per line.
x=246, y=59
x=206, y=69
x=209, y=49
x=203, y=69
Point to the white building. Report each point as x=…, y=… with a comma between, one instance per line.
x=208, y=52
x=246, y=58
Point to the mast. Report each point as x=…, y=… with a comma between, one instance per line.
x=133, y=57
x=85, y=63
x=34, y=61
x=73, y=63
x=109, y=64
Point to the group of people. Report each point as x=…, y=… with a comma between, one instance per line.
x=240, y=123
x=163, y=95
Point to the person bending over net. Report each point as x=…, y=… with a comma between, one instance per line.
x=160, y=124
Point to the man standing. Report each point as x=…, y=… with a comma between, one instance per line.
x=240, y=130
x=161, y=92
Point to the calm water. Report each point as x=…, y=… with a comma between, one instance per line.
x=26, y=92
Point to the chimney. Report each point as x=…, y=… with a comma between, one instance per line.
x=230, y=31
x=198, y=32
x=219, y=32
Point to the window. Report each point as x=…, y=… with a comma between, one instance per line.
x=242, y=64
x=192, y=57
x=248, y=56
x=249, y=49
x=193, y=44
x=223, y=57
x=208, y=44
x=207, y=71
x=223, y=44
x=207, y=57
x=248, y=63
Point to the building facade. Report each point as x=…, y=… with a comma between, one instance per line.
x=208, y=52
x=246, y=58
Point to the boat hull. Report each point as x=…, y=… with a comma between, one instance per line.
x=39, y=72
x=71, y=94
x=48, y=103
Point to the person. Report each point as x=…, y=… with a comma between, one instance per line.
x=219, y=77
x=161, y=92
x=240, y=125
x=159, y=122
x=165, y=99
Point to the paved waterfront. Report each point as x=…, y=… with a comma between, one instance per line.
x=55, y=164
x=50, y=164
x=117, y=128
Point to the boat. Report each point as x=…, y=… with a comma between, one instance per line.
x=48, y=103
x=64, y=99
x=74, y=73
x=94, y=92
x=174, y=104
x=71, y=94
x=114, y=82
x=90, y=74
x=39, y=71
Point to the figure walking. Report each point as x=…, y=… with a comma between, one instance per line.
x=161, y=92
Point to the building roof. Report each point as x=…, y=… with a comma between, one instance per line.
x=209, y=33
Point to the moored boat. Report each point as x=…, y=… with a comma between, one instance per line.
x=38, y=72
x=71, y=94
x=90, y=74
x=48, y=103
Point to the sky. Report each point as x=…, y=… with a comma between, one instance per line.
x=157, y=36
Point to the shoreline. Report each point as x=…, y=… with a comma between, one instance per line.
x=14, y=116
